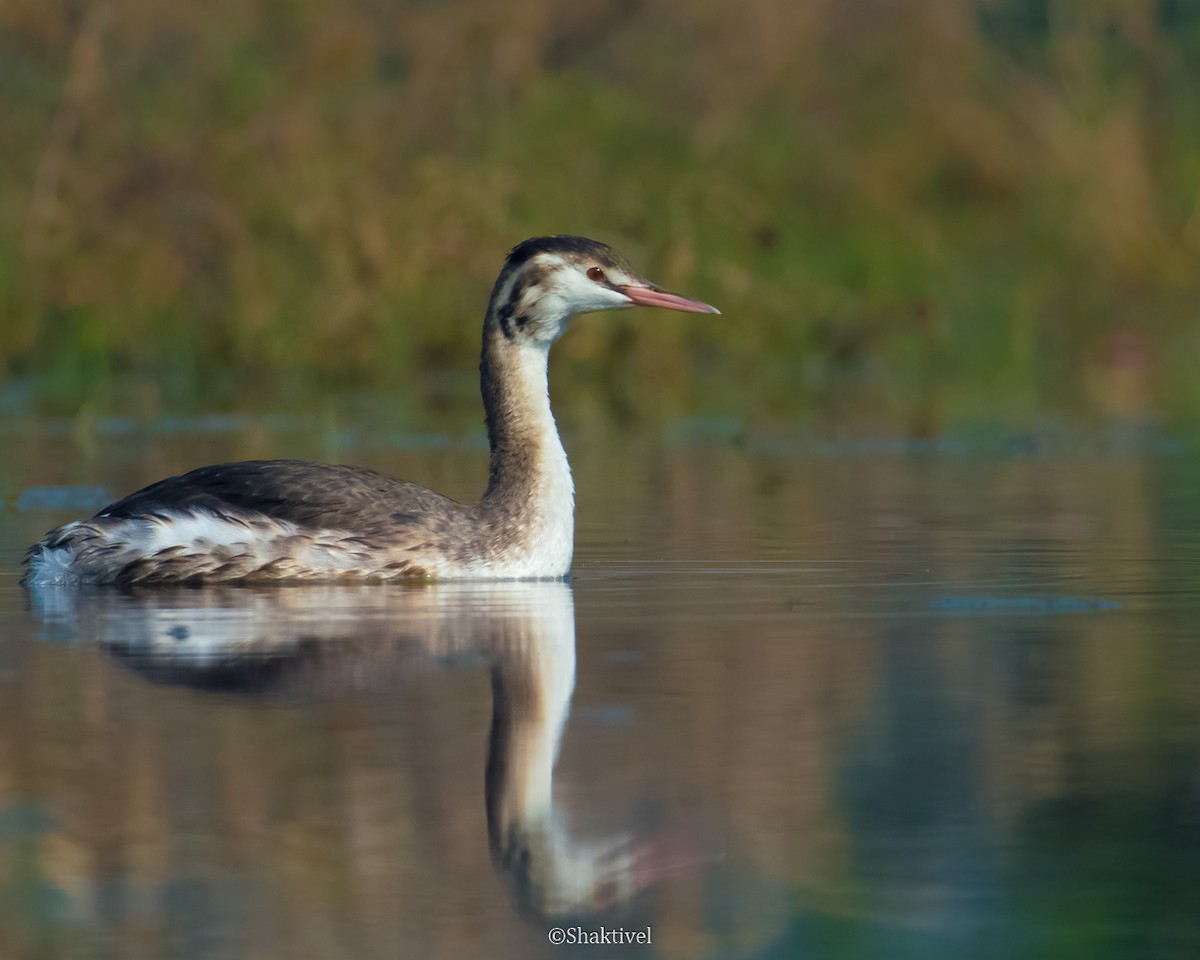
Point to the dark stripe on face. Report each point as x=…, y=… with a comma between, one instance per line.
x=507, y=318
x=504, y=317
x=531, y=276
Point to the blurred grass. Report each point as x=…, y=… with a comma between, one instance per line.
x=969, y=207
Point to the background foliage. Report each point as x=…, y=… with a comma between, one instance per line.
x=993, y=203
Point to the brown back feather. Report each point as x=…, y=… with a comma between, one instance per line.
x=310, y=495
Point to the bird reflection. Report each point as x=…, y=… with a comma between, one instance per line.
x=317, y=640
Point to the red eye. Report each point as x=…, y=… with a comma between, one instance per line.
x=595, y=273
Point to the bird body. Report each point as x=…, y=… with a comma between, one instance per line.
x=265, y=520
x=288, y=520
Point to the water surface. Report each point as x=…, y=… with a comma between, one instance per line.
x=810, y=695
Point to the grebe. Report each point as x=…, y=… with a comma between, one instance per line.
x=281, y=520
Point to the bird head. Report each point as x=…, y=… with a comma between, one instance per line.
x=548, y=280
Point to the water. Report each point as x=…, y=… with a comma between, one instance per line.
x=810, y=695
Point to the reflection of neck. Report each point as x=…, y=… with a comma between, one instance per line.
x=552, y=874
x=531, y=693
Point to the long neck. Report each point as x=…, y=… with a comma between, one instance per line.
x=528, y=464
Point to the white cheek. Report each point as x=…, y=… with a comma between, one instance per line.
x=549, y=303
x=583, y=294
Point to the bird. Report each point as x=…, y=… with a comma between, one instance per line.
x=267, y=521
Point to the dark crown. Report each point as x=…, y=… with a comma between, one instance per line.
x=580, y=248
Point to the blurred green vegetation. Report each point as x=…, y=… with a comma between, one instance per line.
x=975, y=205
